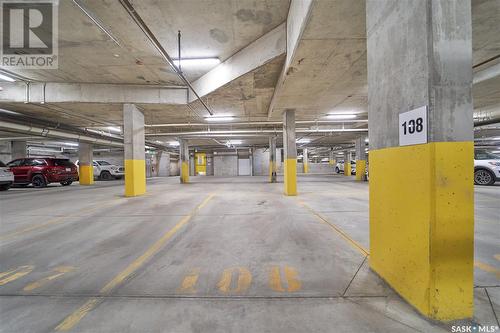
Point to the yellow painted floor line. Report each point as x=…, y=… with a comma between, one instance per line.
x=61, y=270
x=14, y=274
x=345, y=236
x=53, y=221
x=69, y=322
x=487, y=268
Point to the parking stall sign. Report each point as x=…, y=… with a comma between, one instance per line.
x=29, y=32
x=413, y=127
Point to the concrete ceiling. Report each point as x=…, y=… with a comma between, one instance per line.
x=327, y=72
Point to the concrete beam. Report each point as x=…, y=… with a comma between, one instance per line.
x=256, y=54
x=52, y=92
x=298, y=16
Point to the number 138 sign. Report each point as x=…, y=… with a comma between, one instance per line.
x=413, y=127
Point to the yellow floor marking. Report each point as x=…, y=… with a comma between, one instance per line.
x=487, y=268
x=244, y=280
x=351, y=241
x=189, y=282
x=61, y=270
x=73, y=319
x=497, y=256
x=15, y=274
x=293, y=283
x=275, y=279
x=54, y=221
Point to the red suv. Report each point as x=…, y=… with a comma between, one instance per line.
x=42, y=171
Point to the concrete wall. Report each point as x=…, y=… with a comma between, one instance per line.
x=316, y=168
x=174, y=167
x=164, y=165
x=261, y=162
x=225, y=165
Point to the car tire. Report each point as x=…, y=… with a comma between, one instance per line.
x=4, y=187
x=484, y=177
x=106, y=175
x=118, y=177
x=38, y=181
x=67, y=183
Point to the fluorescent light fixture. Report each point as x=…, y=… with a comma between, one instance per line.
x=367, y=140
x=4, y=77
x=174, y=143
x=219, y=118
x=114, y=129
x=71, y=144
x=303, y=140
x=197, y=62
x=340, y=116
x=233, y=142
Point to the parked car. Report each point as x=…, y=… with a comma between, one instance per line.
x=43, y=171
x=6, y=177
x=106, y=171
x=340, y=167
x=486, y=168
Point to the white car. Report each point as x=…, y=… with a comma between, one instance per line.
x=6, y=177
x=340, y=167
x=486, y=168
x=107, y=171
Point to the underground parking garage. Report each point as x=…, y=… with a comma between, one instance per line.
x=250, y=166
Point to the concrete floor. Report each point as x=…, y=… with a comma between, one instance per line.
x=216, y=255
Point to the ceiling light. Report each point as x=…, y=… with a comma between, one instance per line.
x=197, y=62
x=341, y=116
x=4, y=77
x=233, y=142
x=174, y=143
x=366, y=140
x=114, y=129
x=303, y=140
x=71, y=144
x=219, y=118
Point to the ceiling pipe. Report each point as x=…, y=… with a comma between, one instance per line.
x=258, y=123
x=486, y=74
x=142, y=25
x=487, y=116
x=263, y=131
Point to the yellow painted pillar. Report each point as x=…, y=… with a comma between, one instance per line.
x=85, y=164
x=290, y=149
x=134, y=150
x=184, y=160
x=200, y=166
x=360, y=169
x=347, y=163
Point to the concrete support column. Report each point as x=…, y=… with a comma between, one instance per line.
x=331, y=158
x=272, y=159
x=134, y=149
x=422, y=195
x=305, y=160
x=290, y=150
x=85, y=163
x=18, y=149
x=184, y=161
x=347, y=163
x=360, y=158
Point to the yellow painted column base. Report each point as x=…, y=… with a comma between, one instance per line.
x=185, y=172
x=290, y=176
x=86, y=174
x=272, y=172
x=306, y=168
x=347, y=169
x=360, y=169
x=135, y=177
x=422, y=225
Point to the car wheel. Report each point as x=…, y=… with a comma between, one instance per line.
x=118, y=177
x=484, y=177
x=337, y=170
x=66, y=183
x=106, y=175
x=38, y=181
x=4, y=187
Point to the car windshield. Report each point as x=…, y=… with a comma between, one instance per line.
x=103, y=163
x=2, y=165
x=484, y=155
x=63, y=163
